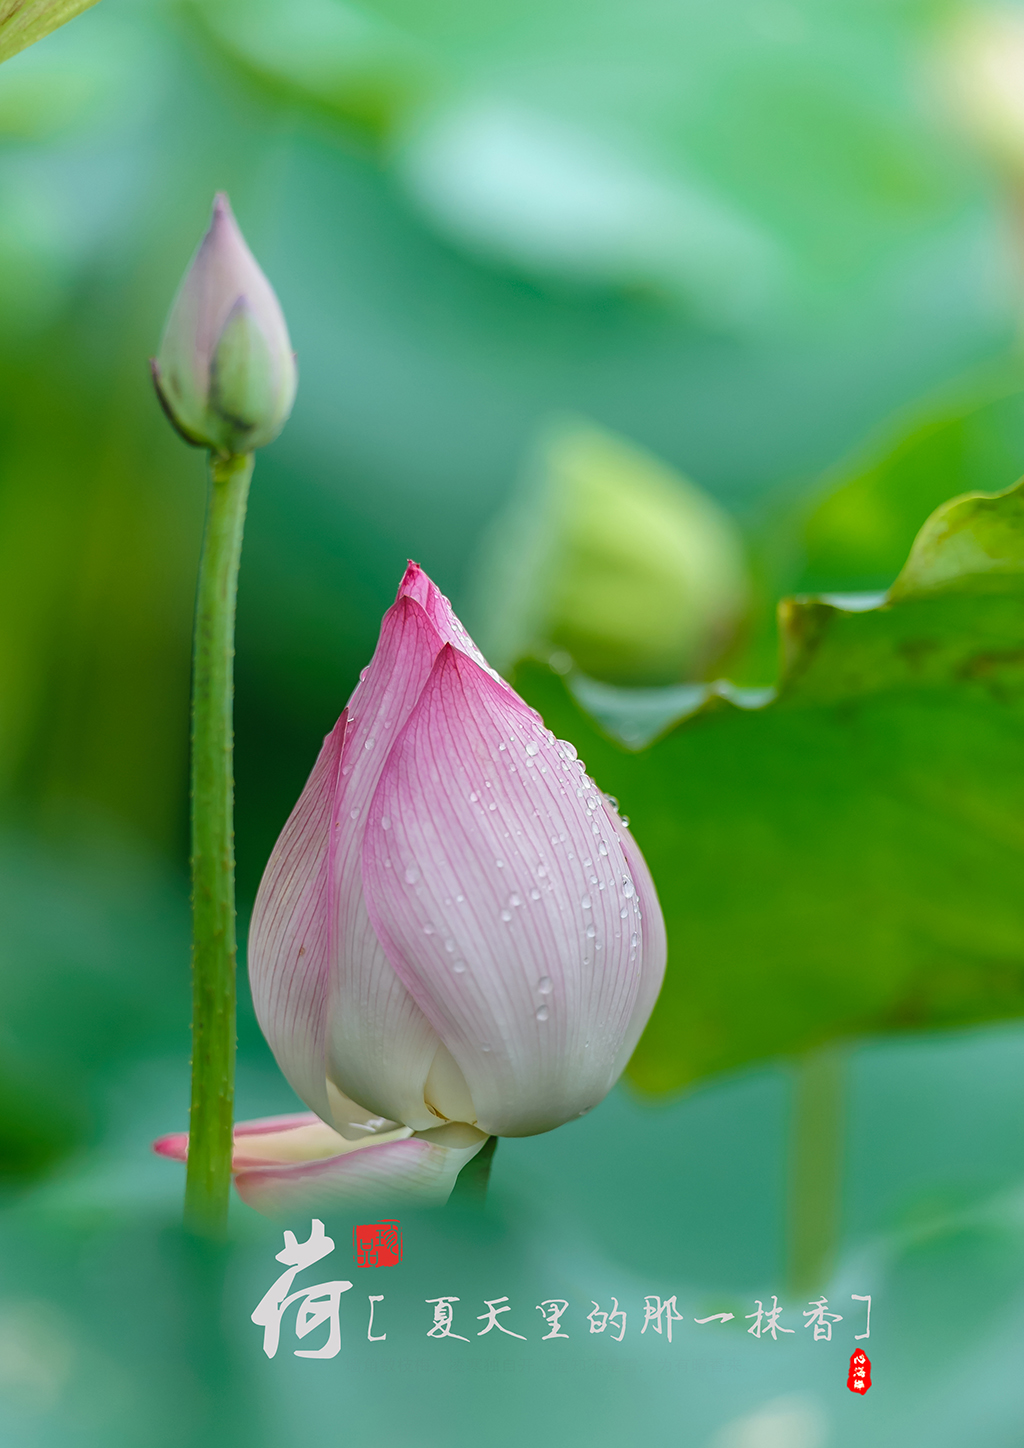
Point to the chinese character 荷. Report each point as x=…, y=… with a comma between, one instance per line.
x=319, y=1304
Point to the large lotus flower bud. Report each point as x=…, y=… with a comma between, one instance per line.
x=456, y=935
x=225, y=371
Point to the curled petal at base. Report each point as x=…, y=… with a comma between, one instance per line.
x=297, y=1163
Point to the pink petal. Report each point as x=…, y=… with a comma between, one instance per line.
x=290, y=936
x=482, y=891
x=417, y=1170
x=297, y=1138
x=654, y=948
x=380, y=1045
x=417, y=585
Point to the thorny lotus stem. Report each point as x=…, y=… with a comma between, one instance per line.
x=213, y=856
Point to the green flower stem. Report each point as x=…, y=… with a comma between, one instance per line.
x=817, y=1139
x=208, y=1180
x=472, y=1181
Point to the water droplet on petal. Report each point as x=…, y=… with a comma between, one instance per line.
x=412, y=875
x=385, y=822
x=428, y=930
x=353, y=814
x=459, y=967
x=623, y=913
x=628, y=888
x=542, y=1013
x=369, y=744
x=473, y=797
x=485, y=1045
x=532, y=748
x=514, y=901
x=535, y=893
x=544, y=985
x=500, y=864
x=586, y=902
x=602, y=848
x=591, y=932
x=506, y=915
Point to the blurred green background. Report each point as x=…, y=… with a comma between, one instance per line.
x=625, y=320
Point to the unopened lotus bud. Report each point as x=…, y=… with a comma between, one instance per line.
x=225, y=371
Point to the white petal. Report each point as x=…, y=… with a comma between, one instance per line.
x=380, y=1045
x=420, y=1170
x=517, y=935
x=290, y=936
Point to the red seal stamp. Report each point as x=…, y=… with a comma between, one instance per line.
x=378, y=1244
x=859, y=1377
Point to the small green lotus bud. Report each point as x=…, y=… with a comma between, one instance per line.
x=225, y=371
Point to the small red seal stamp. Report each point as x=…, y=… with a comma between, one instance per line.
x=378, y=1244
x=859, y=1378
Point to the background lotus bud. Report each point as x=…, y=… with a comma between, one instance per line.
x=610, y=556
x=455, y=929
x=225, y=371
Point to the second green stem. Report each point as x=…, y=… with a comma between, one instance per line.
x=208, y=1178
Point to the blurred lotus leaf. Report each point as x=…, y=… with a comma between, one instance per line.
x=613, y=558
x=845, y=858
x=737, y=159
x=23, y=22
x=857, y=535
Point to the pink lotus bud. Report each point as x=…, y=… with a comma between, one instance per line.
x=225, y=371
x=455, y=925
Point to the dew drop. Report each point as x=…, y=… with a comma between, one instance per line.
x=514, y=901
x=500, y=864
x=353, y=814
x=506, y=915
x=586, y=902
x=544, y=985
x=428, y=930
x=632, y=940
x=542, y=1013
x=449, y=944
x=628, y=888
x=485, y=1045
x=385, y=822
x=459, y=967
x=362, y=673
x=541, y=871
x=535, y=893
x=492, y=805
x=591, y=801
x=473, y=797
x=369, y=744
x=602, y=848
x=591, y=932
x=623, y=913
x=532, y=748
x=412, y=875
